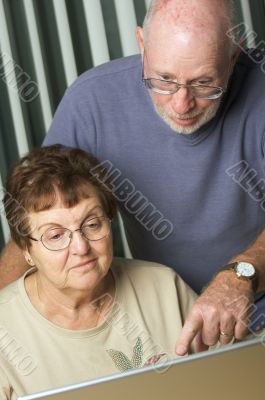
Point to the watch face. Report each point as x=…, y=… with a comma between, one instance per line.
x=245, y=269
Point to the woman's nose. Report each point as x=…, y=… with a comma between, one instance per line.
x=79, y=243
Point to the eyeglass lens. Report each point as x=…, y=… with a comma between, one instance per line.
x=60, y=238
x=169, y=87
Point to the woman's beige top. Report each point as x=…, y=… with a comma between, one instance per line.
x=142, y=327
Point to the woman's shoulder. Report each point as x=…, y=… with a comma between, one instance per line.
x=9, y=292
x=147, y=275
x=14, y=291
x=9, y=303
x=141, y=268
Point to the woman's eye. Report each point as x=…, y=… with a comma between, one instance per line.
x=93, y=226
x=55, y=235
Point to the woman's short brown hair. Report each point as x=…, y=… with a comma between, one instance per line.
x=34, y=183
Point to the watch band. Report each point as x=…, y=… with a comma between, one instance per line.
x=253, y=279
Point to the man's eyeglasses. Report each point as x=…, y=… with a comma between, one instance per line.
x=94, y=229
x=169, y=87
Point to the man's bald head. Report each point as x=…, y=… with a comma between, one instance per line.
x=186, y=41
x=202, y=17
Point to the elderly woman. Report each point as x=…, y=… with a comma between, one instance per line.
x=78, y=313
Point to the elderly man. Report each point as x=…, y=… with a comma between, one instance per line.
x=180, y=129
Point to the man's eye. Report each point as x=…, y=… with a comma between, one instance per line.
x=206, y=83
x=165, y=78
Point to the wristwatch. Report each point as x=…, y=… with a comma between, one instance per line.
x=244, y=270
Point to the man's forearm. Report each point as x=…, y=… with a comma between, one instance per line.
x=12, y=264
x=255, y=254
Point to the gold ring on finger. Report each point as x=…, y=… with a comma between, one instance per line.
x=222, y=333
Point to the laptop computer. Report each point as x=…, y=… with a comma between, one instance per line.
x=235, y=372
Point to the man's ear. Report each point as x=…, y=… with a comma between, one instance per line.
x=140, y=39
x=236, y=55
x=233, y=60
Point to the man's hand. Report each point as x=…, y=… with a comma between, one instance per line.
x=219, y=314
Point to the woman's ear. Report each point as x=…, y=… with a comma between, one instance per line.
x=28, y=258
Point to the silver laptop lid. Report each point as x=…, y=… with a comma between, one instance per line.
x=230, y=373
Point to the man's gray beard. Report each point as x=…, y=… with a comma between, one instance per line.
x=187, y=130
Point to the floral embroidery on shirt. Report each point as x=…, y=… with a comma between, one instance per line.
x=123, y=363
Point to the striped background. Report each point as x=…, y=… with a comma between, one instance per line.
x=46, y=44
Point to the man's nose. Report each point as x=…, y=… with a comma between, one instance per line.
x=182, y=101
